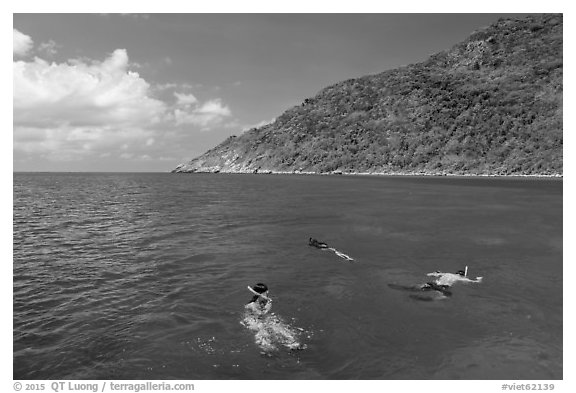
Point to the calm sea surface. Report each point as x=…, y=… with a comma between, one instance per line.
x=143, y=276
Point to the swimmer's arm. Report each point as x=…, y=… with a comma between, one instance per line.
x=478, y=279
x=435, y=274
x=267, y=307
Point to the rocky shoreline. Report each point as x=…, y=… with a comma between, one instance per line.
x=398, y=174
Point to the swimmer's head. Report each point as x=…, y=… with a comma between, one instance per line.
x=259, y=291
x=460, y=272
x=259, y=288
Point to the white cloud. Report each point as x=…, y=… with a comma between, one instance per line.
x=185, y=99
x=22, y=43
x=49, y=48
x=179, y=86
x=210, y=113
x=61, y=109
x=165, y=86
x=88, y=109
x=214, y=107
x=82, y=94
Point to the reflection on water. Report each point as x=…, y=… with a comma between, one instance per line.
x=143, y=276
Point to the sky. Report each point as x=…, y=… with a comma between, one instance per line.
x=146, y=92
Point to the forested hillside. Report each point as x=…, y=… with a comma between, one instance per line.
x=490, y=105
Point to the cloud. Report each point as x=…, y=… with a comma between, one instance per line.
x=210, y=113
x=185, y=99
x=80, y=94
x=86, y=109
x=22, y=43
x=49, y=48
x=70, y=109
x=214, y=107
x=179, y=86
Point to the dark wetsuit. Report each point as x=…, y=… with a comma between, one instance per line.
x=317, y=244
x=432, y=286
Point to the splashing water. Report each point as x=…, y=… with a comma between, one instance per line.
x=271, y=331
x=340, y=254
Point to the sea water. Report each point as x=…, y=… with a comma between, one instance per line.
x=144, y=276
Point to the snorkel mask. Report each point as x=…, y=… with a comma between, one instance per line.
x=261, y=287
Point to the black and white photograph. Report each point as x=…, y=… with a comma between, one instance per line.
x=265, y=196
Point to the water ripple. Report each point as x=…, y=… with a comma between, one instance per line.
x=143, y=276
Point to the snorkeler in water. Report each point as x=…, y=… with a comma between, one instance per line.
x=323, y=246
x=315, y=243
x=269, y=329
x=442, y=285
x=448, y=279
x=260, y=303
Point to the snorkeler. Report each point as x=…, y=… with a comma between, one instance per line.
x=315, y=243
x=323, y=246
x=448, y=279
x=442, y=285
x=269, y=328
x=260, y=303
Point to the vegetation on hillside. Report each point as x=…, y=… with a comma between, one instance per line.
x=490, y=105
